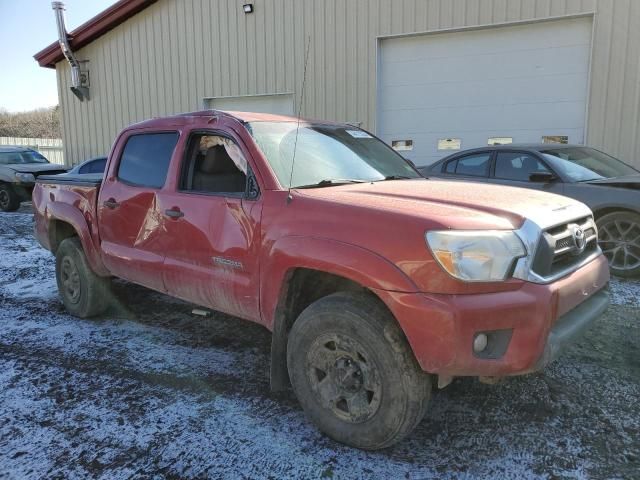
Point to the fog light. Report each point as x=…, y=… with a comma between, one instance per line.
x=480, y=342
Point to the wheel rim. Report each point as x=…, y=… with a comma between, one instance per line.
x=4, y=198
x=346, y=381
x=70, y=280
x=620, y=243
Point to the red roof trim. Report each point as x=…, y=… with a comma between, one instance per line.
x=92, y=29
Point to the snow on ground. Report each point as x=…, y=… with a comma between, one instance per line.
x=151, y=390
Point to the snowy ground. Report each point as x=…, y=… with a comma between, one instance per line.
x=152, y=391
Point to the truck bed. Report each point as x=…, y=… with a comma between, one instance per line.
x=78, y=179
x=71, y=200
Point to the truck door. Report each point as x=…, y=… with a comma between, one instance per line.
x=212, y=225
x=132, y=240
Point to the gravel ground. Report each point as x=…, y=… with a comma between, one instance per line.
x=149, y=390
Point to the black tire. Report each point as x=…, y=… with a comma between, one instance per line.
x=372, y=392
x=619, y=238
x=9, y=200
x=83, y=293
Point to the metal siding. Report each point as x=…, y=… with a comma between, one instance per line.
x=521, y=81
x=174, y=53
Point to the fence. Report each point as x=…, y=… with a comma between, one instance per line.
x=49, y=147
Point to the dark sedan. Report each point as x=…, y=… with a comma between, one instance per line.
x=610, y=187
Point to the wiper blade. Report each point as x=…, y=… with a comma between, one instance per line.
x=398, y=177
x=331, y=182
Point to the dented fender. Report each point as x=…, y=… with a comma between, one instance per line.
x=71, y=214
x=353, y=262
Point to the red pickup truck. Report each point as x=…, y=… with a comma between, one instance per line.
x=374, y=281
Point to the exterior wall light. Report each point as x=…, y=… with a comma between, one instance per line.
x=248, y=7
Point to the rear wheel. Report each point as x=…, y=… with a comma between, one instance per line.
x=83, y=293
x=354, y=373
x=619, y=238
x=9, y=201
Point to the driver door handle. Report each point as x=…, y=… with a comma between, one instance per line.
x=174, y=213
x=111, y=203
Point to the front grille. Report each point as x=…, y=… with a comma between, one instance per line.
x=561, y=247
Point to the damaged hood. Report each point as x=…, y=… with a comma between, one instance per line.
x=36, y=167
x=456, y=204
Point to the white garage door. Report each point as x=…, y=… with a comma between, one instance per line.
x=280, y=104
x=458, y=90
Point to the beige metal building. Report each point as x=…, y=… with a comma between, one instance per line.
x=426, y=75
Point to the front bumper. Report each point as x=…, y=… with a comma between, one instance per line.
x=540, y=321
x=572, y=325
x=23, y=190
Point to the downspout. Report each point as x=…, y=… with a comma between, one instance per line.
x=79, y=90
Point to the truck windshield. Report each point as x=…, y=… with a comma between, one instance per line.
x=20, y=157
x=582, y=164
x=327, y=155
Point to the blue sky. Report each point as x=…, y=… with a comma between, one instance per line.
x=27, y=26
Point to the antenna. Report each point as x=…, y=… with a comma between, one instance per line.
x=295, y=143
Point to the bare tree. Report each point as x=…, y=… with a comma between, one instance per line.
x=40, y=123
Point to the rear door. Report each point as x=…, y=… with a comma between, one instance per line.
x=212, y=225
x=129, y=215
x=472, y=167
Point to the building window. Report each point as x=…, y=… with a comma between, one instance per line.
x=500, y=141
x=449, y=144
x=564, y=139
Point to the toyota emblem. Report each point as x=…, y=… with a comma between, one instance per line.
x=579, y=239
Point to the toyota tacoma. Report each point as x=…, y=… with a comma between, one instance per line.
x=376, y=283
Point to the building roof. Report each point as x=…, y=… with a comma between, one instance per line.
x=92, y=29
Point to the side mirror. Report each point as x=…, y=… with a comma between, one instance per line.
x=542, y=177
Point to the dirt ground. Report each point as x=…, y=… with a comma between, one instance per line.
x=150, y=390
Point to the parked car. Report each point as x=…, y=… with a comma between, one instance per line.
x=374, y=281
x=93, y=165
x=610, y=187
x=19, y=167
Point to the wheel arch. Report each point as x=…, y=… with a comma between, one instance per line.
x=302, y=287
x=66, y=221
x=607, y=209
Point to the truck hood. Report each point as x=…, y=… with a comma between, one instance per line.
x=456, y=204
x=36, y=167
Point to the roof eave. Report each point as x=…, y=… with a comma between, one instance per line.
x=92, y=29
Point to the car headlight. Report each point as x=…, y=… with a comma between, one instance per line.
x=476, y=256
x=25, y=177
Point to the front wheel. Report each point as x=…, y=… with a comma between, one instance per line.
x=9, y=201
x=354, y=373
x=83, y=293
x=619, y=238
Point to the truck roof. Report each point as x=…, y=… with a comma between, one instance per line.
x=243, y=117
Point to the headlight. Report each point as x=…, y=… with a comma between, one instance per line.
x=25, y=177
x=476, y=256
